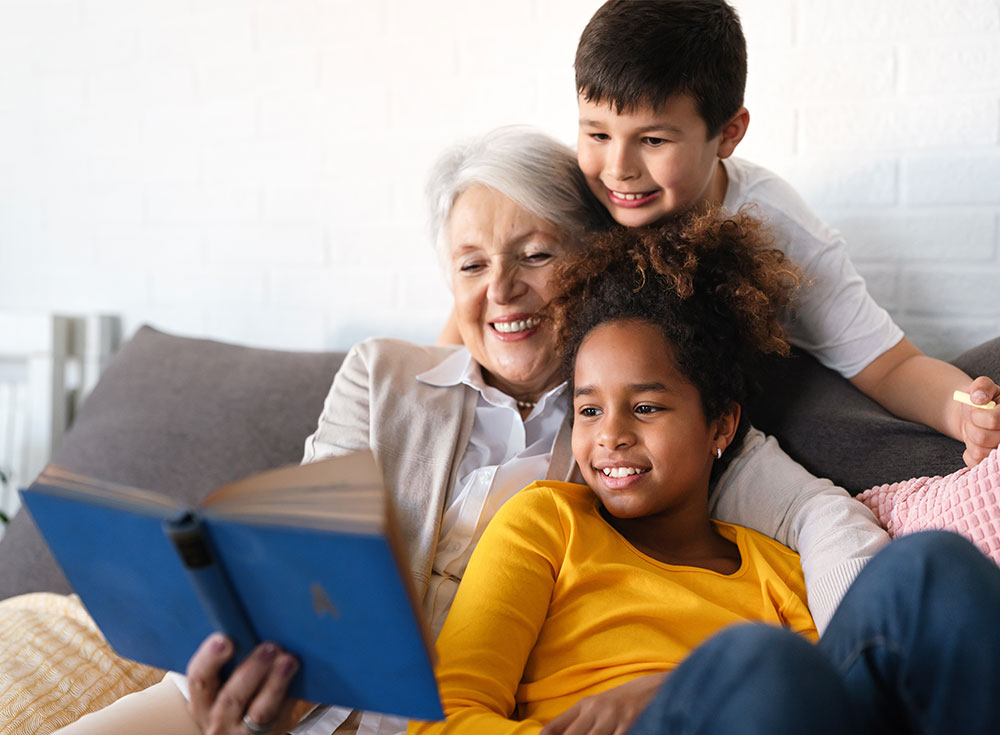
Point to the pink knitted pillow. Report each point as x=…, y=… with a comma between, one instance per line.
x=967, y=501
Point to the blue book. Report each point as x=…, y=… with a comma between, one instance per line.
x=306, y=556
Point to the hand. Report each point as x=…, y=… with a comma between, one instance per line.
x=607, y=713
x=255, y=689
x=981, y=428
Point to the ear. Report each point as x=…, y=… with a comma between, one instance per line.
x=726, y=425
x=733, y=132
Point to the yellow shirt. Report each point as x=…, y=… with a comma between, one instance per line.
x=556, y=605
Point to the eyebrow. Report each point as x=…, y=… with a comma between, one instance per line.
x=653, y=387
x=518, y=239
x=657, y=127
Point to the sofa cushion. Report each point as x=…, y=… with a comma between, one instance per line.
x=181, y=416
x=836, y=431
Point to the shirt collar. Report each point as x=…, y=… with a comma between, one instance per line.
x=459, y=368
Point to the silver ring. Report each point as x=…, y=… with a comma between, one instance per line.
x=256, y=728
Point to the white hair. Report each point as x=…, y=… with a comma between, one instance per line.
x=535, y=171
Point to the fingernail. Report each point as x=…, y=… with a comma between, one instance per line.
x=218, y=643
x=979, y=396
x=288, y=666
x=268, y=651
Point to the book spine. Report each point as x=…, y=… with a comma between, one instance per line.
x=211, y=584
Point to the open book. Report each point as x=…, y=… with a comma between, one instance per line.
x=306, y=556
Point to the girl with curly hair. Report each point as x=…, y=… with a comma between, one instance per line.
x=577, y=589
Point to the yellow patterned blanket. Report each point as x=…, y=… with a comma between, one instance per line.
x=55, y=666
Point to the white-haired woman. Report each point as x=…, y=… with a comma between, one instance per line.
x=459, y=430
x=456, y=431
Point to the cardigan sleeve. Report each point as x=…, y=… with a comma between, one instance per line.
x=344, y=424
x=495, y=619
x=835, y=535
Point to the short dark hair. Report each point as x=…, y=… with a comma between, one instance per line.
x=714, y=285
x=637, y=53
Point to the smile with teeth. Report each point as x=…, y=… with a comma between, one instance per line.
x=629, y=197
x=618, y=472
x=521, y=325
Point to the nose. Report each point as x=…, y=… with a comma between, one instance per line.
x=616, y=431
x=506, y=284
x=620, y=162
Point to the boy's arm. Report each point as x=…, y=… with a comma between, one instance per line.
x=919, y=388
x=450, y=334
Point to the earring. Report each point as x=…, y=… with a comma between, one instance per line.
x=718, y=452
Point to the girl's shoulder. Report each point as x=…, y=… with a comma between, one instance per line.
x=548, y=503
x=563, y=495
x=542, y=519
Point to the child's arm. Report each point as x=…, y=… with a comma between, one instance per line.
x=450, y=334
x=914, y=386
x=767, y=490
x=494, y=621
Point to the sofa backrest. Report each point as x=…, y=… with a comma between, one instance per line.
x=835, y=431
x=181, y=416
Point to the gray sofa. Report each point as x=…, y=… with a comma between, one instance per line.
x=183, y=416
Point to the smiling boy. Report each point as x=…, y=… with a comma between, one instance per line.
x=660, y=89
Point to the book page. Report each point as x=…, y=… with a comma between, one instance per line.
x=341, y=493
x=58, y=478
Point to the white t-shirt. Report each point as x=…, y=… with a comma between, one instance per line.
x=833, y=318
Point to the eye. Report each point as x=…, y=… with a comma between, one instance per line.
x=539, y=258
x=471, y=268
x=600, y=137
x=589, y=411
x=645, y=408
x=654, y=142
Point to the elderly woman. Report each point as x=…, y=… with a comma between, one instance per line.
x=459, y=430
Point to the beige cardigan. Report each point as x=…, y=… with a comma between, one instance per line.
x=419, y=432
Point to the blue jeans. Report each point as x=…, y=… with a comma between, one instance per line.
x=913, y=648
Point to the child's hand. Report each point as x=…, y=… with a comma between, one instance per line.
x=253, y=697
x=608, y=713
x=981, y=427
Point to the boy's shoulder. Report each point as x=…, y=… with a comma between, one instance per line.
x=770, y=197
x=749, y=182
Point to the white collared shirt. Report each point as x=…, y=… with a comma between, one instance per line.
x=504, y=455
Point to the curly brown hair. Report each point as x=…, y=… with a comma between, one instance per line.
x=715, y=285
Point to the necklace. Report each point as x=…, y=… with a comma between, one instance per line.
x=525, y=404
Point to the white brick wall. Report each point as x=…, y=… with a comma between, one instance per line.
x=886, y=117
x=252, y=170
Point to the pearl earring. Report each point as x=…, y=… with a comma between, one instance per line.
x=718, y=452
